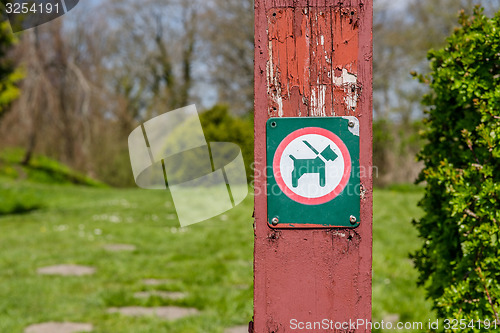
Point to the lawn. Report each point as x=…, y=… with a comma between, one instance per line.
x=395, y=294
x=210, y=262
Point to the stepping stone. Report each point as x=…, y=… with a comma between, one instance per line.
x=59, y=328
x=237, y=329
x=119, y=247
x=392, y=318
x=241, y=286
x=66, y=270
x=161, y=294
x=155, y=282
x=164, y=312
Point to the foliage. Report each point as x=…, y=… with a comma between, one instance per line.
x=228, y=35
x=89, y=82
x=18, y=200
x=395, y=145
x=190, y=164
x=402, y=35
x=220, y=126
x=460, y=260
x=8, y=74
x=382, y=140
x=40, y=170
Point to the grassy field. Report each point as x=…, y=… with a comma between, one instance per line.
x=395, y=294
x=211, y=262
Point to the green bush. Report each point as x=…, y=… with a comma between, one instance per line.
x=219, y=126
x=9, y=75
x=17, y=201
x=41, y=169
x=383, y=144
x=459, y=262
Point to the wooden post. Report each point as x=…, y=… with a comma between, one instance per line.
x=312, y=58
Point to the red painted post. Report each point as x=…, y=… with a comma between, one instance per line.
x=312, y=58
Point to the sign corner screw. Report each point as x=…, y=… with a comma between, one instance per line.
x=275, y=221
x=351, y=123
x=352, y=219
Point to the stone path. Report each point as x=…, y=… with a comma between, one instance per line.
x=155, y=282
x=59, y=328
x=237, y=329
x=119, y=247
x=164, y=312
x=241, y=286
x=161, y=294
x=66, y=270
x=392, y=318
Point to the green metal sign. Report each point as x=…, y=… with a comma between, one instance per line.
x=313, y=172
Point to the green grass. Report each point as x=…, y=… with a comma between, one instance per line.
x=210, y=261
x=18, y=200
x=395, y=294
x=40, y=169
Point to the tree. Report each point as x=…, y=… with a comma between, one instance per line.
x=8, y=73
x=459, y=262
x=220, y=126
x=151, y=50
x=228, y=31
x=403, y=33
x=93, y=77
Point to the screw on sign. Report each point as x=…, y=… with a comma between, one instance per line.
x=310, y=171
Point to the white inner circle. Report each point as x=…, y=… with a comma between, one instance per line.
x=307, y=165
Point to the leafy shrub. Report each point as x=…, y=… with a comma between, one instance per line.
x=9, y=75
x=17, y=201
x=459, y=262
x=382, y=146
x=220, y=126
x=41, y=169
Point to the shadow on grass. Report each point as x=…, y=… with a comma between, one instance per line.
x=18, y=201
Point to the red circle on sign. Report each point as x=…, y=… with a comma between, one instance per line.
x=277, y=170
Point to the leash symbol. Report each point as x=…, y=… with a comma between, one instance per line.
x=315, y=165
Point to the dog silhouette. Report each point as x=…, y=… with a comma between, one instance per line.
x=312, y=165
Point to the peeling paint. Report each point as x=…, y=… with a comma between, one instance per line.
x=307, y=50
x=318, y=97
x=344, y=78
x=338, y=233
x=273, y=84
x=347, y=82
